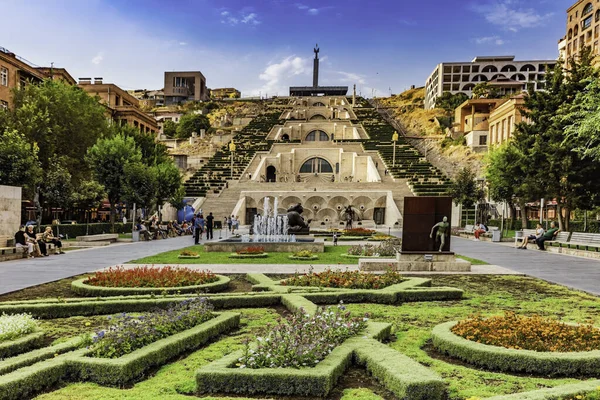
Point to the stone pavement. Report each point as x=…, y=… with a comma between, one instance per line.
x=574, y=272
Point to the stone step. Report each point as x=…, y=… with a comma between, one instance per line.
x=109, y=237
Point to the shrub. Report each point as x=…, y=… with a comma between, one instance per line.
x=529, y=333
x=302, y=340
x=251, y=250
x=359, y=232
x=131, y=333
x=386, y=249
x=150, y=277
x=345, y=279
x=304, y=254
x=17, y=325
x=188, y=253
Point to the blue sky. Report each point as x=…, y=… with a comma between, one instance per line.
x=266, y=46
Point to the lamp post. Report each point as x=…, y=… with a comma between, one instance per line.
x=394, y=139
x=232, y=150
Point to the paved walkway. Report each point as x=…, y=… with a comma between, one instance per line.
x=575, y=272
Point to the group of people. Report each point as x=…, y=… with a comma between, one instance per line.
x=27, y=240
x=154, y=229
x=206, y=225
x=540, y=236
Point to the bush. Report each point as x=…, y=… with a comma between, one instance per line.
x=72, y=231
x=359, y=232
x=188, y=253
x=252, y=250
x=149, y=277
x=17, y=325
x=303, y=254
x=529, y=333
x=345, y=279
x=131, y=333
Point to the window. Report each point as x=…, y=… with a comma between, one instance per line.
x=3, y=105
x=586, y=23
x=597, y=15
x=475, y=68
x=587, y=9
x=3, y=76
x=317, y=136
x=483, y=140
x=316, y=165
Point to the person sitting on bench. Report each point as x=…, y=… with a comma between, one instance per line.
x=539, y=232
x=48, y=237
x=21, y=242
x=550, y=234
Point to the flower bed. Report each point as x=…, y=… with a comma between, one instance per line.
x=294, y=343
x=529, y=333
x=131, y=333
x=14, y=326
x=250, y=252
x=188, y=254
x=359, y=232
x=149, y=277
x=303, y=255
x=345, y=279
x=385, y=249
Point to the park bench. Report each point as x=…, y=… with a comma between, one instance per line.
x=560, y=239
x=469, y=231
x=103, y=239
x=583, y=241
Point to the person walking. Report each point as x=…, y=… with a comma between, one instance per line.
x=209, y=226
x=48, y=237
x=198, y=222
x=229, y=222
x=235, y=224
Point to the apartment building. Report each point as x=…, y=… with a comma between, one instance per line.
x=182, y=86
x=502, y=72
x=583, y=27
x=471, y=120
x=225, y=93
x=121, y=106
x=503, y=119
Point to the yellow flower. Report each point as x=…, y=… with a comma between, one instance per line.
x=88, y=323
x=55, y=354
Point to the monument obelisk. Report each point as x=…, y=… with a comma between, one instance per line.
x=316, y=67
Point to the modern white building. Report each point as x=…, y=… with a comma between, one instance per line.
x=503, y=72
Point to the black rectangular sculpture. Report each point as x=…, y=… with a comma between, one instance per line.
x=421, y=214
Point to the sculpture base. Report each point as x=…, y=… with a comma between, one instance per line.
x=417, y=261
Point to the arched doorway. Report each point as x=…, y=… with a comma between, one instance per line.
x=316, y=165
x=271, y=174
x=285, y=137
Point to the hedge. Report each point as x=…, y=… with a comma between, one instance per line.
x=512, y=360
x=560, y=392
x=74, y=230
x=132, y=366
x=221, y=376
x=256, y=255
x=295, y=302
x=574, y=226
x=25, y=343
x=81, y=288
x=313, y=257
x=404, y=377
x=34, y=356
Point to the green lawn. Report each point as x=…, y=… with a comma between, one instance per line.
x=473, y=261
x=486, y=295
x=332, y=255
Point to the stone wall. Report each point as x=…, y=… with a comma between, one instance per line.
x=10, y=210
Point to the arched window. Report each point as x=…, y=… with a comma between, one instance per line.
x=528, y=68
x=498, y=76
x=509, y=68
x=468, y=87
x=318, y=104
x=489, y=68
x=480, y=78
x=587, y=9
x=317, y=136
x=570, y=35
x=316, y=165
x=576, y=32
x=518, y=77
x=597, y=17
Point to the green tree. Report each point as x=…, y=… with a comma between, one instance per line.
x=465, y=189
x=583, y=117
x=19, y=165
x=152, y=152
x=169, y=183
x=169, y=128
x=189, y=123
x=140, y=184
x=484, y=91
x=109, y=158
x=448, y=101
x=89, y=194
x=56, y=188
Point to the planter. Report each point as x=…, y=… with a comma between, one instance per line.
x=242, y=256
x=80, y=287
x=313, y=257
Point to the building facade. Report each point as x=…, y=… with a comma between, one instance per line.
x=503, y=72
x=503, y=120
x=225, y=93
x=121, y=106
x=471, y=120
x=185, y=86
x=583, y=27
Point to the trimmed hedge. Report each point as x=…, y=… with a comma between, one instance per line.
x=313, y=257
x=94, y=229
x=511, y=360
x=295, y=302
x=34, y=356
x=256, y=255
x=221, y=376
x=132, y=366
x=404, y=377
x=81, y=288
x=25, y=343
x=560, y=392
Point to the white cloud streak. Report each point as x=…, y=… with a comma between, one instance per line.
x=510, y=14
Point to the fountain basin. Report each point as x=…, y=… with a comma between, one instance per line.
x=233, y=245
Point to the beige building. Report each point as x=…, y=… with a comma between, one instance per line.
x=583, y=27
x=121, y=106
x=471, y=119
x=225, y=93
x=16, y=71
x=503, y=119
x=500, y=71
x=182, y=86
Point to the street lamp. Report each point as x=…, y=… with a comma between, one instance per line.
x=232, y=150
x=394, y=139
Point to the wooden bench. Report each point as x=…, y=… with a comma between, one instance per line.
x=522, y=234
x=583, y=241
x=469, y=230
x=560, y=239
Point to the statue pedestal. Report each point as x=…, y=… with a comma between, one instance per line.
x=417, y=261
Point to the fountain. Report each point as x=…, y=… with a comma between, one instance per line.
x=273, y=231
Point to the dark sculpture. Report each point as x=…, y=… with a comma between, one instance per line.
x=350, y=215
x=296, y=224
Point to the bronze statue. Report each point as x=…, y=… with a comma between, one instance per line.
x=296, y=223
x=350, y=215
x=443, y=230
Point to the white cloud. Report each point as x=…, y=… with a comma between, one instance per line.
x=98, y=58
x=408, y=22
x=511, y=15
x=350, y=77
x=224, y=13
x=248, y=19
x=251, y=19
x=313, y=11
x=300, y=6
x=183, y=43
x=487, y=40
x=278, y=77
